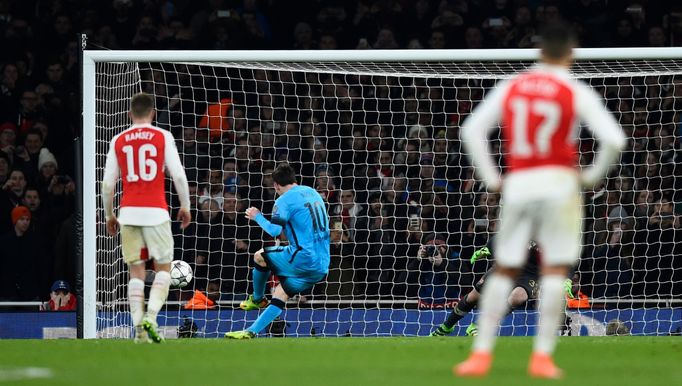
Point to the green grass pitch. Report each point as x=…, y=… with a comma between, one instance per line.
x=334, y=361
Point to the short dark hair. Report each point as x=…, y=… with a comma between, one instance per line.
x=284, y=175
x=558, y=40
x=141, y=104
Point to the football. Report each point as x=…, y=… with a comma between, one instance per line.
x=181, y=274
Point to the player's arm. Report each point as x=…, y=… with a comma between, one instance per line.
x=111, y=174
x=280, y=216
x=475, y=131
x=604, y=126
x=177, y=173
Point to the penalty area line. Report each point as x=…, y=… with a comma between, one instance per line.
x=21, y=373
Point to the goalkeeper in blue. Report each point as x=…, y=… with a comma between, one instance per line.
x=300, y=214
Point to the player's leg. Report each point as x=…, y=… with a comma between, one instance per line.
x=463, y=307
x=276, y=260
x=260, y=275
x=133, y=247
x=517, y=298
x=559, y=240
x=136, y=300
x=159, y=240
x=513, y=237
x=271, y=312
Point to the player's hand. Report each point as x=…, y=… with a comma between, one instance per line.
x=112, y=225
x=589, y=178
x=240, y=245
x=8, y=185
x=185, y=217
x=480, y=253
x=568, y=288
x=494, y=186
x=252, y=212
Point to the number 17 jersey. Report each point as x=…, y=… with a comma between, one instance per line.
x=302, y=214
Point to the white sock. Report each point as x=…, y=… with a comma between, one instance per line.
x=494, y=306
x=158, y=294
x=551, y=306
x=136, y=300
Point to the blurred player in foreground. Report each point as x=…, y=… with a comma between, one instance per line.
x=539, y=111
x=301, y=214
x=141, y=154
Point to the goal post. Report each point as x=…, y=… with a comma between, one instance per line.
x=110, y=78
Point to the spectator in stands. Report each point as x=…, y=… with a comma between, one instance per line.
x=325, y=185
x=47, y=170
x=352, y=214
x=233, y=246
x=21, y=257
x=61, y=298
x=202, y=241
x=28, y=159
x=612, y=264
x=10, y=196
x=29, y=111
x=213, y=187
x=431, y=265
x=657, y=37
x=4, y=167
x=303, y=37
x=342, y=275
x=8, y=139
x=473, y=38
x=327, y=42
x=385, y=40
x=230, y=177
x=194, y=154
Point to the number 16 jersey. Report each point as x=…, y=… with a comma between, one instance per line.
x=141, y=155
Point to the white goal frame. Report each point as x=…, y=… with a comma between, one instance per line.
x=91, y=57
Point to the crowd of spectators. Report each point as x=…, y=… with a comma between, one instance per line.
x=384, y=152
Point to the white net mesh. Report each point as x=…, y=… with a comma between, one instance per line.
x=380, y=142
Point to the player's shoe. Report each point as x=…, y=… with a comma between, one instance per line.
x=152, y=330
x=249, y=304
x=542, y=366
x=141, y=335
x=244, y=334
x=442, y=330
x=477, y=365
x=472, y=330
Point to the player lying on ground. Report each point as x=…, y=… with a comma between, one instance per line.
x=524, y=289
x=301, y=214
x=142, y=154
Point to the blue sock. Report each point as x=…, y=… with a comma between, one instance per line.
x=260, y=279
x=267, y=316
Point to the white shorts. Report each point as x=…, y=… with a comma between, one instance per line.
x=141, y=243
x=544, y=205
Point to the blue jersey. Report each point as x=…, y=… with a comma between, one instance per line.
x=302, y=215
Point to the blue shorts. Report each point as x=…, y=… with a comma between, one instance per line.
x=294, y=278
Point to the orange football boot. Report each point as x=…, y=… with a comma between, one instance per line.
x=542, y=366
x=477, y=365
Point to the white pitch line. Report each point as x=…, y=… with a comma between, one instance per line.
x=7, y=375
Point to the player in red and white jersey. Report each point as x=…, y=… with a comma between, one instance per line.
x=539, y=111
x=141, y=155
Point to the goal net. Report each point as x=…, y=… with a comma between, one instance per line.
x=380, y=141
